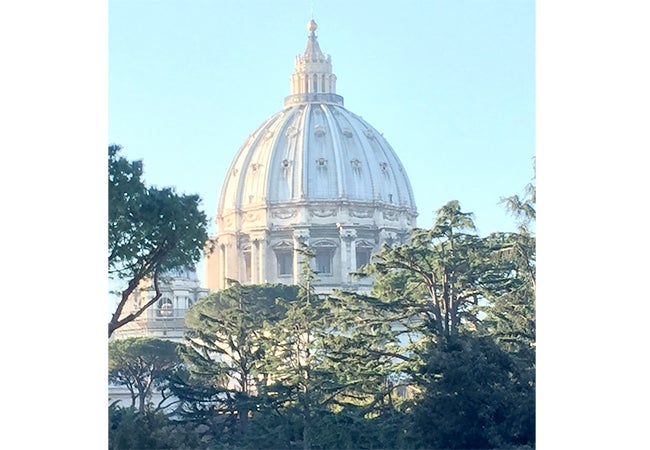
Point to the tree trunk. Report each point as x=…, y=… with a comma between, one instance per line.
x=306, y=430
x=143, y=401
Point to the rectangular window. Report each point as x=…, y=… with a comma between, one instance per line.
x=247, y=262
x=285, y=263
x=324, y=262
x=363, y=257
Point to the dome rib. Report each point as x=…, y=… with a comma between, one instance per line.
x=338, y=154
x=244, y=185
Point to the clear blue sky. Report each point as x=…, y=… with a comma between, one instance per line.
x=451, y=84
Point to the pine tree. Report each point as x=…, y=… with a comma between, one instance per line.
x=224, y=355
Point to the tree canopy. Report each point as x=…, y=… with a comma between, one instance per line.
x=440, y=354
x=150, y=231
x=141, y=364
x=271, y=364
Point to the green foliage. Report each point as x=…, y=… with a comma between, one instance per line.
x=434, y=283
x=454, y=297
x=475, y=398
x=450, y=325
x=326, y=363
x=281, y=364
x=150, y=230
x=224, y=333
x=141, y=364
x=224, y=356
x=523, y=209
x=510, y=315
x=131, y=429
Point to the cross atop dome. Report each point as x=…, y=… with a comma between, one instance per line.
x=312, y=74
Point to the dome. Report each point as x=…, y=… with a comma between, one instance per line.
x=314, y=173
x=315, y=151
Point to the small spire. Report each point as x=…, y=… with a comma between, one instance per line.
x=313, y=52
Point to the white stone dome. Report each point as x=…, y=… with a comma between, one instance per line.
x=315, y=174
x=316, y=151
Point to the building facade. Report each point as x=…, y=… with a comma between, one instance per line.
x=165, y=319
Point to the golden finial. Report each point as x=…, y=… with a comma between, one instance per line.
x=311, y=26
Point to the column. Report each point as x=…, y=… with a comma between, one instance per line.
x=353, y=254
x=258, y=257
x=348, y=255
x=254, y=262
x=261, y=252
x=222, y=266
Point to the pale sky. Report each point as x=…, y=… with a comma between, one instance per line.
x=450, y=84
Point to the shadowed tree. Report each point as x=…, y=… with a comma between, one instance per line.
x=327, y=365
x=151, y=429
x=475, y=398
x=273, y=365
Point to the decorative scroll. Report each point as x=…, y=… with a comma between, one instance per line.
x=251, y=216
x=323, y=212
x=284, y=213
x=361, y=212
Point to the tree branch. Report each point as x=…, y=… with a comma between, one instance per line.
x=115, y=322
